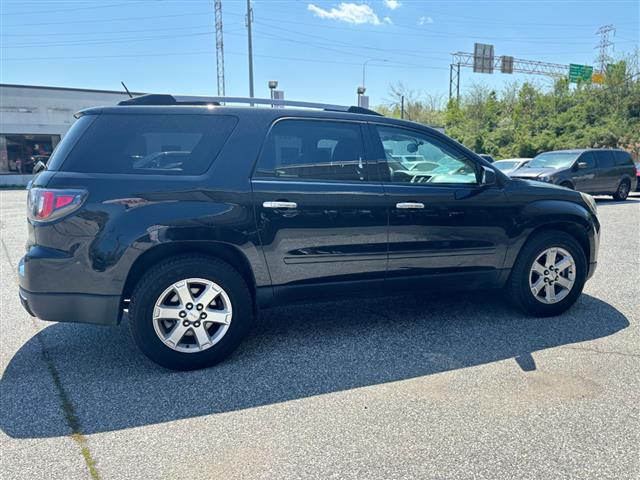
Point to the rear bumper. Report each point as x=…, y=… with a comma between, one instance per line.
x=42, y=270
x=72, y=307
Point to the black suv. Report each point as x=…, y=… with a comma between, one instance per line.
x=191, y=214
x=594, y=171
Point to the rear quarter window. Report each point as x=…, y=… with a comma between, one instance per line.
x=149, y=144
x=623, y=159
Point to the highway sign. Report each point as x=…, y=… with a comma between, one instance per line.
x=580, y=72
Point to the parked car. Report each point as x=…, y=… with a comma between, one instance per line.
x=487, y=157
x=594, y=171
x=510, y=165
x=234, y=209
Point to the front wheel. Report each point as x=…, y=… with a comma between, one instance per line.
x=548, y=275
x=623, y=190
x=190, y=312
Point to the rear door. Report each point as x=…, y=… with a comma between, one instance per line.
x=321, y=212
x=607, y=174
x=624, y=167
x=441, y=220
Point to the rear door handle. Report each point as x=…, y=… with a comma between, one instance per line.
x=280, y=205
x=409, y=205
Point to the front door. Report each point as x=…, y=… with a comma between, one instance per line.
x=441, y=220
x=585, y=175
x=321, y=215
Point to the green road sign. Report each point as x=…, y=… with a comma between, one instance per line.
x=580, y=72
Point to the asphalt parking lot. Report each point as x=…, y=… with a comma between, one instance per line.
x=430, y=386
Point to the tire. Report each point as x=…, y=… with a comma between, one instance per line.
x=232, y=305
x=623, y=190
x=519, y=289
x=568, y=185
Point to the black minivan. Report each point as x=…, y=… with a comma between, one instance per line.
x=189, y=215
x=594, y=171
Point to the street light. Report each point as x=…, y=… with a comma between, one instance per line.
x=273, y=84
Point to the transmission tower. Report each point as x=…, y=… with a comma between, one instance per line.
x=603, y=47
x=219, y=47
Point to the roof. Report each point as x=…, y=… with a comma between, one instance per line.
x=156, y=99
x=580, y=150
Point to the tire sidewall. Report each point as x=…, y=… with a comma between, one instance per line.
x=618, y=195
x=524, y=297
x=157, y=280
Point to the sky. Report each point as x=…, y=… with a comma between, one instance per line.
x=314, y=49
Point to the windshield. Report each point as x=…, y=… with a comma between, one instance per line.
x=506, y=165
x=553, y=160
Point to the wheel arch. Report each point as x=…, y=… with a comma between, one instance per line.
x=575, y=230
x=223, y=251
x=548, y=215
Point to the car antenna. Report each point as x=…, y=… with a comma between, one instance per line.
x=127, y=90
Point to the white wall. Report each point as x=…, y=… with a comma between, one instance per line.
x=33, y=110
x=49, y=111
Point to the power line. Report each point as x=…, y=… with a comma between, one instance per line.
x=75, y=9
x=110, y=32
x=103, y=42
x=181, y=54
x=102, y=20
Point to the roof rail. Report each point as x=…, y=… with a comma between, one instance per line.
x=163, y=99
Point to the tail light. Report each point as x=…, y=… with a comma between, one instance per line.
x=46, y=204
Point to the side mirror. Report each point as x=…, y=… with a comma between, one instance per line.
x=488, y=176
x=412, y=147
x=39, y=167
x=583, y=164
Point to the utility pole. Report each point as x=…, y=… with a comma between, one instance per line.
x=603, y=46
x=219, y=47
x=249, y=20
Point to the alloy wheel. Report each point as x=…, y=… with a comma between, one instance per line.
x=552, y=275
x=192, y=315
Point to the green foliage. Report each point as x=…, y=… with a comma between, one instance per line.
x=523, y=120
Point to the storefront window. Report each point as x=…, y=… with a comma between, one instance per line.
x=19, y=153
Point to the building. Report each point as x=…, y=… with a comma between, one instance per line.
x=33, y=119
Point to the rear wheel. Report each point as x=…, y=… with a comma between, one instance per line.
x=190, y=312
x=623, y=190
x=548, y=275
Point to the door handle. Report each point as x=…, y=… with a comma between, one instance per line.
x=409, y=205
x=280, y=205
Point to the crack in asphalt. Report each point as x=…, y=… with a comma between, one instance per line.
x=605, y=352
x=68, y=408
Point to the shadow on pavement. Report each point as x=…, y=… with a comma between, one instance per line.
x=606, y=201
x=291, y=353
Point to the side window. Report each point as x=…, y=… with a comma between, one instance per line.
x=589, y=158
x=605, y=159
x=313, y=150
x=413, y=157
x=623, y=159
x=149, y=144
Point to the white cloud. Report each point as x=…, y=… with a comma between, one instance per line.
x=347, y=12
x=425, y=20
x=387, y=20
x=392, y=4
